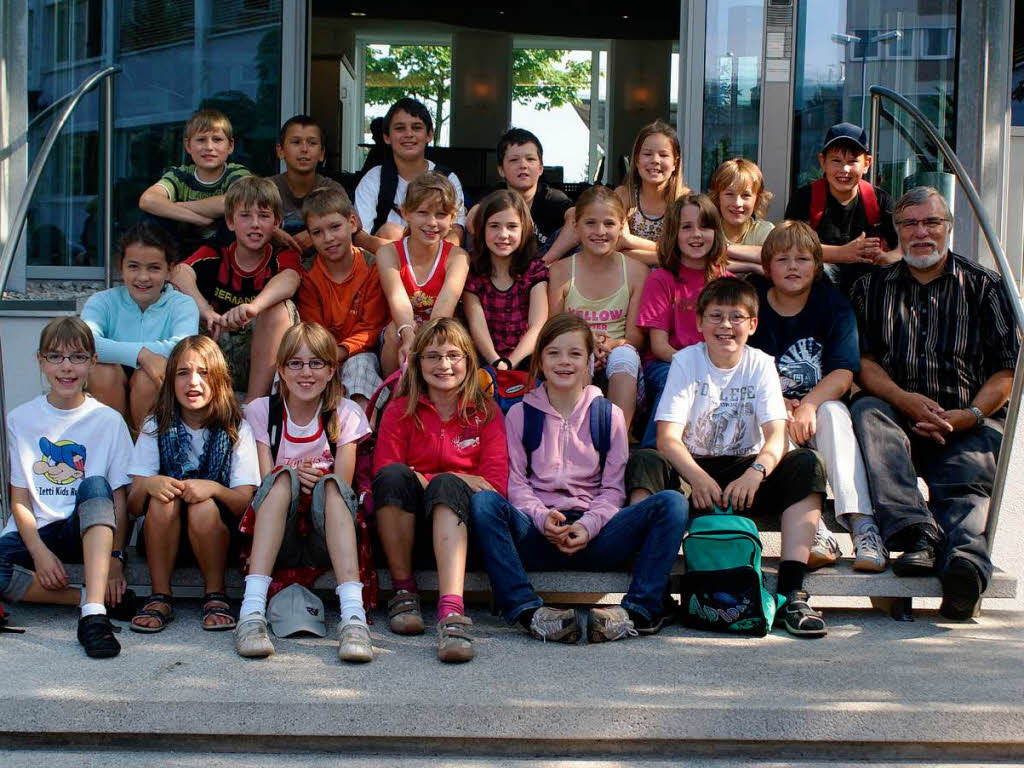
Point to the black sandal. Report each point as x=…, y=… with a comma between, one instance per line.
x=216, y=604
x=157, y=598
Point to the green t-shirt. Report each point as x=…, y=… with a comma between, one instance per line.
x=183, y=185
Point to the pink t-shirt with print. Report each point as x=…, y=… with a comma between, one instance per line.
x=669, y=303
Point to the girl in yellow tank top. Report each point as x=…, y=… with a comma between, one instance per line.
x=604, y=287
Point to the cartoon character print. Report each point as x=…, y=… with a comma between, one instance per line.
x=800, y=367
x=63, y=462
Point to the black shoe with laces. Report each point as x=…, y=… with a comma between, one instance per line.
x=798, y=618
x=918, y=558
x=96, y=635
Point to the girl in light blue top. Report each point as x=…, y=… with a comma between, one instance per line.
x=137, y=324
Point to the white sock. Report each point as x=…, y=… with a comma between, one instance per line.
x=350, y=595
x=91, y=609
x=255, y=598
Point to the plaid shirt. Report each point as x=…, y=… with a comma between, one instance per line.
x=507, y=312
x=943, y=339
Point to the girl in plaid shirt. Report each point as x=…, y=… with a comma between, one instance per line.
x=505, y=298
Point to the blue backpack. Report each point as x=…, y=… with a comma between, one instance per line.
x=600, y=413
x=723, y=588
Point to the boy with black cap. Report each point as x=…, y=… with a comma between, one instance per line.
x=853, y=219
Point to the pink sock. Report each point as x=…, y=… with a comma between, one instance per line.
x=449, y=604
x=409, y=585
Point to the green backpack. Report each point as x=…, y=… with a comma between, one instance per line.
x=723, y=588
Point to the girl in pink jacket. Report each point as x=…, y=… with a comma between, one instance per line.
x=567, y=450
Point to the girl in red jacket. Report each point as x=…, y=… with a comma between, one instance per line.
x=440, y=441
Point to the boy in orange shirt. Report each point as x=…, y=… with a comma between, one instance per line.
x=342, y=291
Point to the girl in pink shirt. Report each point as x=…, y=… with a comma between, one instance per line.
x=691, y=252
x=565, y=496
x=440, y=441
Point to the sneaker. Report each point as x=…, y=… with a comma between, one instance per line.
x=961, y=590
x=798, y=618
x=252, y=640
x=871, y=554
x=558, y=625
x=611, y=623
x=824, y=551
x=354, y=641
x=96, y=635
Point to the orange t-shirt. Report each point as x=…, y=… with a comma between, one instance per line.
x=354, y=310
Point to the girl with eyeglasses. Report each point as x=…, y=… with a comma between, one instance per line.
x=302, y=519
x=441, y=440
x=194, y=471
x=68, y=452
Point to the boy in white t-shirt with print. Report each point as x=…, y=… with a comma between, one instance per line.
x=722, y=429
x=68, y=454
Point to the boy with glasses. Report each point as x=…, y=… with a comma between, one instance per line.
x=722, y=428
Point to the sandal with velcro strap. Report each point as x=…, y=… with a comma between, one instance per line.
x=799, y=618
x=404, y=614
x=454, y=643
x=157, y=598
x=216, y=604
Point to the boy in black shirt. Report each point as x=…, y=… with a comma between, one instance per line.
x=852, y=218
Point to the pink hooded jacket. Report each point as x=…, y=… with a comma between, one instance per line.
x=566, y=473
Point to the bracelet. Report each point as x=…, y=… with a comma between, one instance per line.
x=402, y=327
x=977, y=412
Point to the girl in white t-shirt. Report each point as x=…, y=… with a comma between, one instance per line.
x=68, y=453
x=194, y=471
x=303, y=515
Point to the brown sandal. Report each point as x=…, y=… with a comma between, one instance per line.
x=404, y=614
x=454, y=643
x=216, y=604
x=151, y=610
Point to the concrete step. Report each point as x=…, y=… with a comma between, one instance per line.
x=873, y=689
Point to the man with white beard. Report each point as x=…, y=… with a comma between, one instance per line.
x=938, y=349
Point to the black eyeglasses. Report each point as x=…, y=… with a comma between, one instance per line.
x=316, y=364
x=76, y=358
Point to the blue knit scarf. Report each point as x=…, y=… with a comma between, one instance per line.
x=214, y=463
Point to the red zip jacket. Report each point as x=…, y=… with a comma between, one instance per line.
x=473, y=447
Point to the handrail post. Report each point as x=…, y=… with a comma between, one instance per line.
x=876, y=109
x=107, y=126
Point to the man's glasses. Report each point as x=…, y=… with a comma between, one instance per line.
x=932, y=222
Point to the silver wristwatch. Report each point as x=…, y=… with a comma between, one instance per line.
x=760, y=468
x=977, y=412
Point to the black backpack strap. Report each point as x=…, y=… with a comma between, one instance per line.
x=275, y=423
x=385, y=192
x=533, y=430
x=601, y=427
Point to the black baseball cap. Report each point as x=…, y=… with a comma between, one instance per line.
x=847, y=132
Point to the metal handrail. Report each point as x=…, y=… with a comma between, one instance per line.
x=879, y=92
x=105, y=77
x=15, y=145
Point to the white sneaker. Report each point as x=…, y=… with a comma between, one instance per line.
x=824, y=551
x=354, y=641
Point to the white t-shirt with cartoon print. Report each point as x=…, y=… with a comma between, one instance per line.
x=721, y=409
x=52, y=449
x=308, y=441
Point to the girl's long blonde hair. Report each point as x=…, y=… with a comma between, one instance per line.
x=323, y=345
x=223, y=410
x=676, y=185
x=444, y=330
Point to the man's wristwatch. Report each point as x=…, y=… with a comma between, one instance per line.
x=760, y=468
x=120, y=555
x=977, y=412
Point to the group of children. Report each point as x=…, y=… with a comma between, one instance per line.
x=633, y=289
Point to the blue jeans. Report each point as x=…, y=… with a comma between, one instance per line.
x=511, y=544
x=655, y=376
x=959, y=477
x=94, y=505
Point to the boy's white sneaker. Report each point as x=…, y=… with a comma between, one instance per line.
x=824, y=551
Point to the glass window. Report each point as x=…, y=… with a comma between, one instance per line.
x=732, y=83
x=171, y=66
x=834, y=72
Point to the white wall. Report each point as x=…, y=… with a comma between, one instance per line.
x=22, y=380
